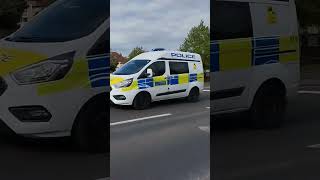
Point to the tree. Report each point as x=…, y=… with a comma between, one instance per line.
x=198, y=41
x=11, y=12
x=135, y=52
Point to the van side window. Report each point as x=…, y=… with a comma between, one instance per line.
x=158, y=68
x=178, y=67
x=101, y=47
x=230, y=20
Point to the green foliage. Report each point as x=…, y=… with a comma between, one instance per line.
x=11, y=12
x=135, y=52
x=198, y=41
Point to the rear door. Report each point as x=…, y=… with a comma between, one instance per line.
x=231, y=54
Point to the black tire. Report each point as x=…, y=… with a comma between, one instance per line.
x=91, y=130
x=194, y=95
x=142, y=101
x=268, y=108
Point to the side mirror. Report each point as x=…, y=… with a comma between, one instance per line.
x=149, y=73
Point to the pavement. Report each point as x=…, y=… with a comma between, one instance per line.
x=291, y=152
x=171, y=140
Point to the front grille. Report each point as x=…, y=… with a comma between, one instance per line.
x=3, y=86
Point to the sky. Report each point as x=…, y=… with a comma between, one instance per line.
x=154, y=23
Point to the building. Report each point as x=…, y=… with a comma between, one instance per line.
x=34, y=7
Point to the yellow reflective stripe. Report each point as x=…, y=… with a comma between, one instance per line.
x=200, y=77
x=159, y=79
x=235, y=54
x=289, y=44
x=183, y=78
x=76, y=78
x=115, y=80
x=14, y=59
x=134, y=86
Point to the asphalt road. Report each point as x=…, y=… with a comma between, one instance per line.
x=171, y=140
x=22, y=158
x=288, y=153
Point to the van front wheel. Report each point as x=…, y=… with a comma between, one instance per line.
x=142, y=101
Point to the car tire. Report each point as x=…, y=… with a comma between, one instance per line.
x=268, y=108
x=194, y=95
x=91, y=131
x=142, y=101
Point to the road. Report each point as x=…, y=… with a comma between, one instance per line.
x=50, y=160
x=171, y=140
x=288, y=153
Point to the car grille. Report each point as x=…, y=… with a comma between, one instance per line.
x=3, y=86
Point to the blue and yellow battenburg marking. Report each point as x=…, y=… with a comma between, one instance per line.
x=99, y=71
x=171, y=80
x=244, y=53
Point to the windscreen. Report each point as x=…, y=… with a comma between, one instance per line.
x=131, y=67
x=65, y=20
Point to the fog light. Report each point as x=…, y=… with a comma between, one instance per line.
x=120, y=97
x=31, y=113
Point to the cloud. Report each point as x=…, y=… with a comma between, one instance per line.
x=154, y=23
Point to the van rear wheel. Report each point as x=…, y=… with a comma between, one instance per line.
x=142, y=101
x=194, y=95
x=268, y=108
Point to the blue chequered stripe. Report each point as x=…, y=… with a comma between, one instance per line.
x=99, y=71
x=193, y=77
x=145, y=83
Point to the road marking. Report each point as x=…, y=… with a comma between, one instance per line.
x=208, y=107
x=139, y=119
x=314, y=146
x=103, y=178
x=206, y=90
x=205, y=128
x=309, y=92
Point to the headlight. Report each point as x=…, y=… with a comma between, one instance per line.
x=122, y=84
x=49, y=70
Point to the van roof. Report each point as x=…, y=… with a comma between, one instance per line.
x=263, y=1
x=169, y=55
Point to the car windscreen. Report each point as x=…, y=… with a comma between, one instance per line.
x=64, y=20
x=131, y=67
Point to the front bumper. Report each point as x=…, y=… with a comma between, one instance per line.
x=116, y=96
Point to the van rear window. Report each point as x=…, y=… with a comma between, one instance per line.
x=179, y=67
x=230, y=20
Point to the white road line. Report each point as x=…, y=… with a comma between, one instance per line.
x=309, y=92
x=139, y=119
x=314, y=146
x=205, y=128
x=206, y=90
x=208, y=107
x=103, y=178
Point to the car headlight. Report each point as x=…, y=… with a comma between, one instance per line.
x=122, y=84
x=51, y=69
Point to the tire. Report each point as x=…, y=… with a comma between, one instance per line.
x=194, y=95
x=268, y=108
x=142, y=101
x=91, y=130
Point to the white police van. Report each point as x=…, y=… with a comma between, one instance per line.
x=54, y=74
x=254, y=58
x=157, y=75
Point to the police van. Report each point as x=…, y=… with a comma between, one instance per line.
x=157, y=75
x=54, y=74
x=254, y=58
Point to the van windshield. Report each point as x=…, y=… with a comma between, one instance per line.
x=65, y=20
x=131, y=67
